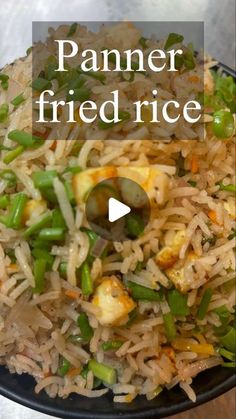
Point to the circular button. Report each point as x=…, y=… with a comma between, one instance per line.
x=118, y=209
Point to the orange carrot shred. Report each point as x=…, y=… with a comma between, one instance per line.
x=194, y=164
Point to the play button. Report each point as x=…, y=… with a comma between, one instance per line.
x=118, y=209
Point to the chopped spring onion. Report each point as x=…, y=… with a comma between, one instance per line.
x=229, y=339
x=18, y=100
x=229, y=364
x=123, y=62
x=13, y=154
x=169, y=325
x=23, y=138
x=51, y=234
x=41, y=84
x=84, y=373
x=223, y=124
x=85, y=328
x=39, y=270
x=16, y=211
x=178, y=303
x=123, y=115
x=86, y=280
x=72, y=29
x=73, y=169
x=227, y=354
x=4, y=201
x=63, y=269
x=112, y=345
x=58, y=219
x=105, y=373
x=4, y=109
x=232, y=235
x=34, y=228
x=94, y=74
x=69, y=192
x=223, y=313
x=64, y=367
x=193, y=183
x=205, y=301
x=229, y=188
x=173, y=38
x=135, y=225
x=9, y=176
x=139, y=292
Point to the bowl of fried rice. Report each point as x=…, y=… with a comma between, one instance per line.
x=92, y=328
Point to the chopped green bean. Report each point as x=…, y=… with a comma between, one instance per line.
x=44, y=179
x=139, y=292
x=51, y=234
x=123, y=115
x=39, y=270
x=85, y=328
x=13, y=154
x=112, y=345
x=9, y=176
x=135, y=225
x=173, y=38
x=204, y=304
x=169, y=325
x=18, y=100
x=86, y=280
x=23, y=138
x=38, y=253
x=229, y=339
x=223, y=124
x=64, y=367
x=4, y=201
x=72, y=29
x=4, y=109
x=81, y=94
x=16, y=211
x=40, y=84
x=178, y=303
x=143, y=42
x=103, y=372
x=229, y=188
x=34, y=228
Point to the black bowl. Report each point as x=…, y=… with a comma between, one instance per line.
x=207, y=385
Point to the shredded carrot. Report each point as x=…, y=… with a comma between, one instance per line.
x=193, y=78
x=194, y=164
x=73, y=372
x=13, y=267
x=72, y=294
x=212, y=215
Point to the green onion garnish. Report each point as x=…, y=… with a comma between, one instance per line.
x=143, y=42
x=134, y=225
x=173, y=38
x=44, y=179
x=223, y=124
x=4, y=81
x=72, y=29
x=112, y=345
x=85, y=328
x=13, y=154
x=34, y=228
x=169, y=326
x=4, y=201
x=64, y=367
x=51, y=234
x=38, y=253
x=205, y=301
x=23, y=138
x=9, y=176
x=41, y=84
x=123, y=115
x=103, y=372
x=229, y=339
x=81, y=95
x=229, y=188
x=4, y=109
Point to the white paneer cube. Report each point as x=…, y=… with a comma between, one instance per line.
x=113, y=301
x=168, y=255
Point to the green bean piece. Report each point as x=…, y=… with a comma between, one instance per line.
x=16, y=211
x=24, y=138
x=81, y=95
x=52, y=234
x=9, y=176
x=44, y=179
x=134, y=225
x=18, y=100
x=169, y=326
x=173, y=38
x=86, y=280
x=229, y=339
x=123, y=115
x=112, y=345
x=227, y=354
x=4, y=109
x=72, y=29
x=38, y=253
x=64, y=367
x=58, y=219
x=43, y=222
x=13, y=154
x=63, y=270
x=39, y=270
x=85, y=328
x=229, y=188
x=139, y=292
x=40, y=84
x=178, y=303
x=4, y=201
x=204, y=304
x=143, y=42
x=103, y=372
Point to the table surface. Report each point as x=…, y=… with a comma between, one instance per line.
x=15, y=29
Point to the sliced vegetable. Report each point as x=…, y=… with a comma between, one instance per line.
x=4, y=201
x=227, y=354
x=44, y=179
x=9, y=176
x=4, y=109
x=40, y=84
x=18, y=100
x=169, y=324
x=143, y=42
x=178, y=303
x=51, y=234
x=229, y=188
x=64, y=367
x=4, y=81
x=139, y=292
x=15, y=215
x=112, y=345
x=13, y=154
x=34, y=228
x=39, y=270
x=102, y=371
x=173, y=38
x=229, y=339
x=38, y=253
x=204, y=304
x=86, y=280
x=24, y=138
x=85, y=328
x=81, y=94
x=134, y=225
x=58, y=219
x=72, y=29
x=123, y=115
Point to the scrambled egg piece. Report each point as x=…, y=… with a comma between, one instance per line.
x=230, y=207
x=151, y=179
x=33, y=209
x=114, y=302
x=168, y=255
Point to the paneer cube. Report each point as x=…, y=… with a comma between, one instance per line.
x=113, y=301
x=180, y=276
x=168, y=255
x=230, y=207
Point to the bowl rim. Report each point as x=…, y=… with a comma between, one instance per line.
x=153, y=412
